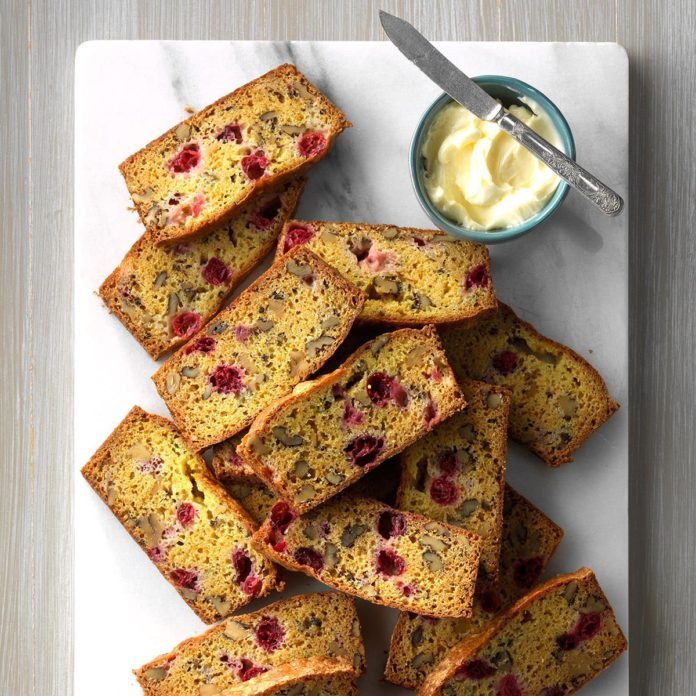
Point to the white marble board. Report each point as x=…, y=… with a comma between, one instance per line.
x=569, y=278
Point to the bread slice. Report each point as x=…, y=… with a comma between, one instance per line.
x=189, y=527
x=410, y=276
x=365, y=548
x=551, y=642
x=311, y=625
x=203, y=170
x=277, y=332
x=164, y=294
x=456, y=473
x=529, y=540
x=313, y=676
x=311, y=444
x=557, y=399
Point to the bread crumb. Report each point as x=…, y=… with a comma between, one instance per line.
x=189, y=109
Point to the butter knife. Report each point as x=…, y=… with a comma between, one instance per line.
x=467, y=93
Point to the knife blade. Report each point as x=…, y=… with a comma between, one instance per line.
x=466, y=92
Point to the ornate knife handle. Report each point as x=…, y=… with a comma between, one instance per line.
x=608, y=201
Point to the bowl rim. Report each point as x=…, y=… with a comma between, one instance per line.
x=508, y=233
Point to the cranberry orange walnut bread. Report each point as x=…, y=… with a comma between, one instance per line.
x=549, y=643
x=410, y=276
x=277, y=332
x=529, y=540
x=456, y=473
x=202, y=171
x=315, y=442
x=189, y=527
x=385, y=556
x=557, y=399
x=314, y=676
x=164, y=294
x=240, y=648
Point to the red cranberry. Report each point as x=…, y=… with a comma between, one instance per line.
x=230, y=132
x=185, y=513
x=398, y=394
x=297, y=234
x=364, y=449
x=185, y=578
x=436, y=375
x=263, y=218
x=310, y=558
x=448, y=463
x=254, y=165
x=156, y=554
x=275, y=539
x=242, y=333
x=251, y=586
x=311, y=144
x=553, y=691
x=151, y=466
x=280, y=520
x=588, y=625
x=185, y=324
x=228, y=379
x=567, y=641
x=477, y=277
x=444, y=491
x=430, y=412
x=204, y=344
x=197, y=204
x=526, y=572
x=391, y=524
x=475, y=669
x=269, y=633
x=407, y=590
x=281, y=516
x=389, y=563
x=245, y=669
x=505, y=362
x=216, y=272
x=379, y=387
x=186, y=159
x=490, y=602
x=242, y=564
x=351, y=415
x=508, y=686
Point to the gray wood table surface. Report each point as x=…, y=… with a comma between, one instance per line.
x=38, y=42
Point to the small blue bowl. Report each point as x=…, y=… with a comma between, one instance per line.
x=506, y=89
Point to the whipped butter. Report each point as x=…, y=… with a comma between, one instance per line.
x=478, y=176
